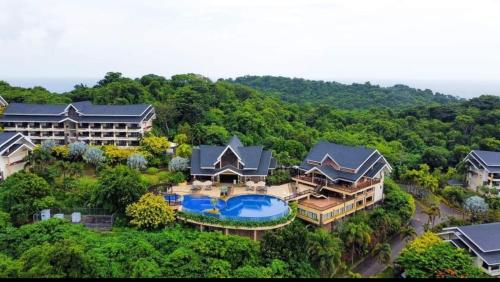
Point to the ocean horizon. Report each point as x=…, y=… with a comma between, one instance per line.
x=460, y=88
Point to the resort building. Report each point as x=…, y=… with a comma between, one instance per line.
x=120, y=125
x=480, y=241
x=483, y=169
x=341, y=180
x=14, y=148
x=233, y=163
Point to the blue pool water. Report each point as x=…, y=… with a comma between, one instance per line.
x=243, y=207
x=172, y=197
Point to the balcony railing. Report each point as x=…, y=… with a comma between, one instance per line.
x=343, y=187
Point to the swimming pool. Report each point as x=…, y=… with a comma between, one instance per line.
x=172, y=197
x=242, y=207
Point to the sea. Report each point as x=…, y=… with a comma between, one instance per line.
x=461, y=88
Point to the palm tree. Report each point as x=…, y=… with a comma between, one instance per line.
x=408, y=233
x=383, y=253
x=356, y=235
x=325, y=252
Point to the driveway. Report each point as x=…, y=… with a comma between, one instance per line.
x=370, y=266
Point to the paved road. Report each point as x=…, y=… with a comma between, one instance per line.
x=370, y=266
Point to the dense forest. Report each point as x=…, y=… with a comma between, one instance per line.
x=342, y=96
x=439, y=130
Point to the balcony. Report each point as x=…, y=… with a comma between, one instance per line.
x=342, y=188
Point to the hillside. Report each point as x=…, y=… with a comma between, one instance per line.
x=354, y=96
x=211, y=112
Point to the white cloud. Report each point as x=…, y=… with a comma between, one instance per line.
x=338, y=39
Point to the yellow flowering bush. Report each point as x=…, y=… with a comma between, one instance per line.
x=150, y=212
x=423, y=242
x=61, y=151
x=116, y=154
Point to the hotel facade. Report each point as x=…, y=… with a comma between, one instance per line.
x=341, y=180
x=120, y=125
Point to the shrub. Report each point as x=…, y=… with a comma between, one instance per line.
x=150, y=212
x=156, y=145
x=47, y=146
x=279, y=177
x=164, y=176
x=178, y=164
x=117, y=188
x=61, y=151
x=430, y=257
x=94, y=156
x=475, y=206
x=77, y=149
x=115, y=154
x=137, y=161
x=23, y=194
x=152, y=170
x=177, y=177
x=454, y=195
x=180, y=139
x=183, y=150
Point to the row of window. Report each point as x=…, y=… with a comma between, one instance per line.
x=81, y=125
x=95, y=142
x=308, y=214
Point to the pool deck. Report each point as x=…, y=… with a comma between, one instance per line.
x=280, y=191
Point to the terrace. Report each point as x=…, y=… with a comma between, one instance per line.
x=280, y=191
x=344, y=187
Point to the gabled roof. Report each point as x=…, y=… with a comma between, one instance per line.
x=87, y=113
x=11, y=140
x=3, y=102
x=34, y=109
x=485, y=236
x=481, y=238
x=85, y=108
x=369, y=166
x=489, y=160
x=209, y=154
x=256, y=160
x=346, y=156
x=88, y=109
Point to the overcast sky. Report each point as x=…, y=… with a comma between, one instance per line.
x=336, y=39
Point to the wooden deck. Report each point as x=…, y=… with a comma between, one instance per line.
x=344, y=189
x=322, y=204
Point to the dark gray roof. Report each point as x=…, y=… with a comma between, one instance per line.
x=345, y=156
x=490, y=158
x=91, y=113
x=370, y=166
x=85, y=108
x=34, y=109
x=257, y=161
x=250, y=155
x=209, y=154
x=9, y=139
x=486, y=159
x=482, y=238
x=485, y=236
x=4, y=136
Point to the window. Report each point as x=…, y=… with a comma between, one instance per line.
x=349, y=207
x=309, y=214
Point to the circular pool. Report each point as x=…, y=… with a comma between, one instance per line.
x=241, y=208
